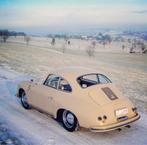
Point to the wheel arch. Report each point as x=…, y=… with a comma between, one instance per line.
x=60, y=111
x=20, y=90
x=23, y=87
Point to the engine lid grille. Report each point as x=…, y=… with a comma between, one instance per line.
x=109, y=93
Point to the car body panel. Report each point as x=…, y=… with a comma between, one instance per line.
x=40, y=96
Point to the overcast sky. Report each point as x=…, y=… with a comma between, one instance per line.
x=48, y=16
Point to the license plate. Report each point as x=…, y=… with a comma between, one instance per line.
x=121, y=112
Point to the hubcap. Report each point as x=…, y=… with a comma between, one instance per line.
x=68, y=119
x=24, y=99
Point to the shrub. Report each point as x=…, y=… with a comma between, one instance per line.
x=91, y=49
x=53, y=41
x=27, y=39
x=4, y=35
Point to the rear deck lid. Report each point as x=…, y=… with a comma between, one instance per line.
x=104, y=94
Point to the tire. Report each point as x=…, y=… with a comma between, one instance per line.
x=24, y=102
x=69, y=121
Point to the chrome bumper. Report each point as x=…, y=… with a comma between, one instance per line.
x=115, y=126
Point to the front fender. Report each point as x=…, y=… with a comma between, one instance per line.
x=24, y=86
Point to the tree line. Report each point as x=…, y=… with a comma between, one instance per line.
x=4, y=34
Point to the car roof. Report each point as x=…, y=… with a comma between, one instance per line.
x=73, y=72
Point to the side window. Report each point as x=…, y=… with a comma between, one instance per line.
x=88, y=80
x=103, y=79
x=91, y=77
x=64, y=85
x=52, y=81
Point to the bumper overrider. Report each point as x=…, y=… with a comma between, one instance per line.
x=114, y=126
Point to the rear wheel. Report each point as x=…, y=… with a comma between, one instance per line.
x=69, y=121
x=24, y=100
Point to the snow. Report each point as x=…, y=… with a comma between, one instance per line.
x=36, y=128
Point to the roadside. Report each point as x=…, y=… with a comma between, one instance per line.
x=9, y=137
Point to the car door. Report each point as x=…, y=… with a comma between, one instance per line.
x=41, y=96
x=62, y=96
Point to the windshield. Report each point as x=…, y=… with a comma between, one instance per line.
x=92, y=79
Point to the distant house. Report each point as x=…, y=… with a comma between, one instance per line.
x=84, y=37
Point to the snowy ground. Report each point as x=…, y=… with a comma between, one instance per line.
x=19, y=62
x=33, y=127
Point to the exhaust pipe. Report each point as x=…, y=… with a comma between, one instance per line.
x=119, y=129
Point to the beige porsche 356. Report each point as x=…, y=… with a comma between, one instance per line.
x=79, y=97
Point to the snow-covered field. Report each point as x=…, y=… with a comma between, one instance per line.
x=19, y=62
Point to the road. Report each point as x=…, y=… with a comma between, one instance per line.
x=36, y=128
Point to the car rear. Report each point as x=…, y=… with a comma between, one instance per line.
x=116, y=110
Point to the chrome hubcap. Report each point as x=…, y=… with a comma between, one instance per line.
x=24, y=99
x=68, y=119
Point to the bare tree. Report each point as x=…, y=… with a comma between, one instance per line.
x=27, y=39
x=4, y=35
x=129, y=40
x=93, y=44
x=91, y=49
x=64, y=48
x=53, y=41
x=132, y=48
x=143, y=48
x=68, y=42
x=104, y=43
x=123, y=47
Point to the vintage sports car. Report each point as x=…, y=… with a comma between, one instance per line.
x=79, y=97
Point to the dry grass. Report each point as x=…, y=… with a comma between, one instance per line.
x=128, y=71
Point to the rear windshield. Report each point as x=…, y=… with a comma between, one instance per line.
x=92, y=79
